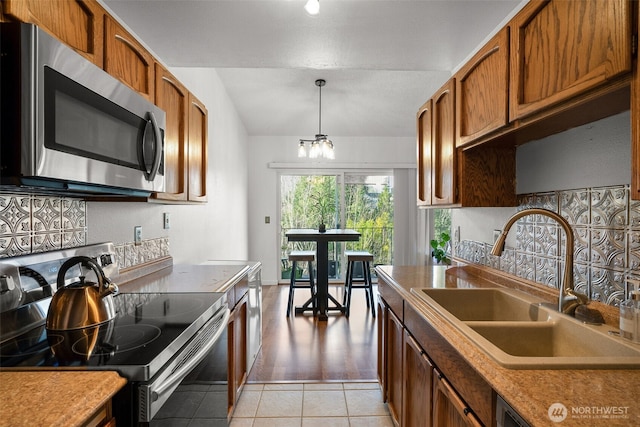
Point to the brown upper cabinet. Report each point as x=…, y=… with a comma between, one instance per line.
x=561, y=49
x=424, y=154
x=635, y=124
x=450, y=176
x=558, y=64
x=185, y=141
x=482, y=91
x=436, y=149
x=197, y=163
x=173, y=98
x=127, y=60
x=77, y=23
x=443, y=147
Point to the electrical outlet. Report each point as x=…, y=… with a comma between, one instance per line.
x=496, y=235
x=166, y=220
x=267, y=220
x=137, y=235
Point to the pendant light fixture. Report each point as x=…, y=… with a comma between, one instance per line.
x=322, y=145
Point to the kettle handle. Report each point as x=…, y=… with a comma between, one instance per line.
x=104, y=284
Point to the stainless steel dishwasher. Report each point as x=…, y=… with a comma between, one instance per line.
x=254, y=315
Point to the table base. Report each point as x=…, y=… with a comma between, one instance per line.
x=311, y=305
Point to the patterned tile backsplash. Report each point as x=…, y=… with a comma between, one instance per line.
x=606, y=226
x=31, y=223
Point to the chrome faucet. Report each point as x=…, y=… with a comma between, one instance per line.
x=569, y=299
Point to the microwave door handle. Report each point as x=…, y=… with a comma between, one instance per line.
x=151, y=175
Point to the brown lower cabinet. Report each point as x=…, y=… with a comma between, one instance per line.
x=448, y=408
x=101, y=418
x=415, y=387
x=237, y=351
x=418, y=376
x=394, y=338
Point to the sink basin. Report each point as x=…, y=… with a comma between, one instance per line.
x=562, y=344
x=519, y=332
x=490, y=304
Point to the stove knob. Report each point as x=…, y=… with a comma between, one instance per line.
x=106, y=260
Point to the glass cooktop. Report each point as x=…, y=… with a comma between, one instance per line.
x=148, y=329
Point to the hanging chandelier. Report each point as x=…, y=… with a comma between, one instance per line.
x=322, y=145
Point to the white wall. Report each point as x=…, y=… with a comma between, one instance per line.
x=263, y=182
x=215, y=230
x=596, y=154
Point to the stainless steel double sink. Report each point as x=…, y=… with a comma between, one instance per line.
x=520, y=331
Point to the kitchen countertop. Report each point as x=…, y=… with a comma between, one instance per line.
x=54, y=398
x=213, y=276
x=592, y=397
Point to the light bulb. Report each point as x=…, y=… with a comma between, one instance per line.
x=312, y=7
x=315, y=151
x=302, y=151
x=330, y=153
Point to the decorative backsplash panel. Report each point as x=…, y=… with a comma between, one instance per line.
x=130, y=255
x=30, y=223
x=606, y=226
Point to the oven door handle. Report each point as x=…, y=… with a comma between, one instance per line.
x=176, y=378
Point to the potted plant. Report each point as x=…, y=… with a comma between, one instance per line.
x=439, y=248
x=323, y=210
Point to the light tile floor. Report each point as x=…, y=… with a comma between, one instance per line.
x=357, y=404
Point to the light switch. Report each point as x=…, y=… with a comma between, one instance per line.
x=267, y=220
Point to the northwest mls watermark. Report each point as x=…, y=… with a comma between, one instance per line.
x=558, y=412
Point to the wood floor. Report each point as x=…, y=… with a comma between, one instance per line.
x=303, y=348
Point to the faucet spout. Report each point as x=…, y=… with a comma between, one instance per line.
x=569, y=299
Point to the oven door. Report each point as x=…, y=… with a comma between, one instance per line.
x=194, y=383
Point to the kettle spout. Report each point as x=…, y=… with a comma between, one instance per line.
x=108, y=288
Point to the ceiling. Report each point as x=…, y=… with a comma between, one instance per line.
x=381, y=59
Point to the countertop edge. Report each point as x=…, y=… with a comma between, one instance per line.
x=46, y=392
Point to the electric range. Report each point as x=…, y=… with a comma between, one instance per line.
x=158, y=341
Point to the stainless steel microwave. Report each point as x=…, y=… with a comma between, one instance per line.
x=67, y=125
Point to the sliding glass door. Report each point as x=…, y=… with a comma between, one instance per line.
x=359, y=201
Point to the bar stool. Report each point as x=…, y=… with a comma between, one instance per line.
x=365, y=258
x=295, y=257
